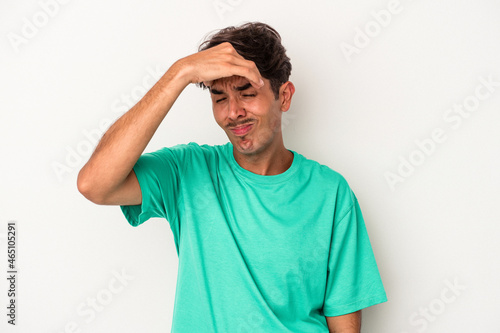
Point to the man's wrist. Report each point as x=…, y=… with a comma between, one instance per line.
x=181, y=73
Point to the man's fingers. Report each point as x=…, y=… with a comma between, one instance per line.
x=250, y=71
x=260, y=84
x=224, y=61
x=253, y=77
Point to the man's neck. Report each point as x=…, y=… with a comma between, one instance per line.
x=272, y=161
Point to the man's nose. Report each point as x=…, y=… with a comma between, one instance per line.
x=236, y=108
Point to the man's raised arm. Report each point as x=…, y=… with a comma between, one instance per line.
x=108, y=178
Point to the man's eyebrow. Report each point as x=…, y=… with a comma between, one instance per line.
x=240, y=88
x=244, y=87
x=215, y=92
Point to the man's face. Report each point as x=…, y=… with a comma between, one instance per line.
x=250, y=117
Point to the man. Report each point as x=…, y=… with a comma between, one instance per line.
x=268, y=240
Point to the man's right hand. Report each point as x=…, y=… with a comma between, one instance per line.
x=218, y=62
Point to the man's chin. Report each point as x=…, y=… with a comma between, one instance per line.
x=244, y=145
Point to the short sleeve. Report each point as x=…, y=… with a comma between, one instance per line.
x=353, y=279
x=159, y=177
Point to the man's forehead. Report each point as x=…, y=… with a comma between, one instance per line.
x=231, y=82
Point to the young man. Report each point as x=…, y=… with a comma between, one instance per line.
x=268, y=240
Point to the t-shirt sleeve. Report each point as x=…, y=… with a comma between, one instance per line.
x=353, y=280
x=159, y=177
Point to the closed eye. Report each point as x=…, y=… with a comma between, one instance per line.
x=224, y=98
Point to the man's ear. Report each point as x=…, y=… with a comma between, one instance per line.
x=287, y=90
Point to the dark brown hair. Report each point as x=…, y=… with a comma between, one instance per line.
x=259, y=43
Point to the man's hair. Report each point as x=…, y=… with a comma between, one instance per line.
x=259, y=43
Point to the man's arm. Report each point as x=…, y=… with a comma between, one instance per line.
x=108, y=178
x=348, y=323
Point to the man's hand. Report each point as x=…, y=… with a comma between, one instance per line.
x=348, y=323
x=218, y=62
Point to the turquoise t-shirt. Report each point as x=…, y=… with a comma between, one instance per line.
x=257, y=253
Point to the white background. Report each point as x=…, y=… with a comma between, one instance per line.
x=70, y=68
